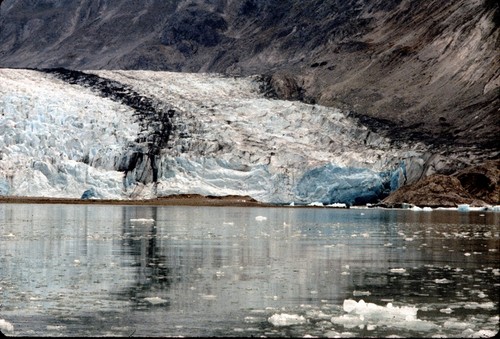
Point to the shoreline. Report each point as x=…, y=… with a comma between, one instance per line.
x=172, y=200
x=194, y=200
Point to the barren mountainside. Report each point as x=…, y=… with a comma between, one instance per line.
x=420, y=71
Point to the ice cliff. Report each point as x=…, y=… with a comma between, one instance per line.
x=145, y=134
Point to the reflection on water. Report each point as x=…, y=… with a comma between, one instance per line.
x=225, y=271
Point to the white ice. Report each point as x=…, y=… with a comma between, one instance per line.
x=285, y=319
x=60, y=140
x=6, y=326
x=364, y=314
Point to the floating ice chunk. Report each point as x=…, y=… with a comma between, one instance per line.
x=209, y=296
x=474, y=305
x=143, y=220
x=370, y=310
x=316, y=203
x=360, y=293
x=427, y=209
x=463, y=208
x=337, y=205
x=446, y=310
x=496, y=208
x=416, y=208
x=442, y=281
x=484, y=334
x=361, y=314
x=6, y=326
x=285, y=319
x=456, y=324
x=156, y=300
x=260, y=218
x=397, y=270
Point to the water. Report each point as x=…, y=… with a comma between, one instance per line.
x=88, y=270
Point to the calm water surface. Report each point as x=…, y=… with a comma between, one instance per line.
x=86, y=270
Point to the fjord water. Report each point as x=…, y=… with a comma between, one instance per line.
x=96, y=270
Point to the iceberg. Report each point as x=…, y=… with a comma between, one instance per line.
x=285, y=319
x=368, y=314
x=6, y=326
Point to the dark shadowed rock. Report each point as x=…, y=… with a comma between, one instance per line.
x=433, y=191
x=482, y=181
x=476, y=185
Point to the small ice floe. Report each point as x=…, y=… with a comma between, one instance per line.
x=156, y=300
x=453, y=324
x=361, y=293
x=316, y=203
x=6, y=326
x=442, y=281
x=228, y=223
x=463, y=207
x=143, y=220
x=488, y=305
x=260, y=218
x=337, y=205
x=397, y=270
x=427, y=209
x=446, y=310
x=415, y=208
x=469, y=333
x=209, y=296
x=363, y=314
x=285, y=319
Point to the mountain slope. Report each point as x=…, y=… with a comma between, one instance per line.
x=424, y=70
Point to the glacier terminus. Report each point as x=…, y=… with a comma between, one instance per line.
x=147, y=134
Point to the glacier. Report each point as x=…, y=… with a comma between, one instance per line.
x=109, y=134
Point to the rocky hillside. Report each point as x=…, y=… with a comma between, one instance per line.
x=425, y=71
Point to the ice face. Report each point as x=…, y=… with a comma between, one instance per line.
x=69, y=140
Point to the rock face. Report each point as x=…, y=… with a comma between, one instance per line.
x=482, y=181
x=436, y=190
x=476, y=186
